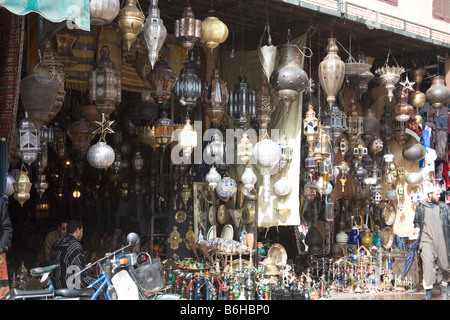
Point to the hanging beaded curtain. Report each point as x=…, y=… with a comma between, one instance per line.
x=12, y=30
x=289, y=123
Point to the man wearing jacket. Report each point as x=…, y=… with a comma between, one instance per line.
x=6, y=232
x=431, y=223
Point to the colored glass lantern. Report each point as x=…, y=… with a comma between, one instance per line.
x=242, y=103
x=161, y=81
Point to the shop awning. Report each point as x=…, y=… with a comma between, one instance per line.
x=76, y=11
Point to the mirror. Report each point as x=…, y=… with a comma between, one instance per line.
x=132, y=238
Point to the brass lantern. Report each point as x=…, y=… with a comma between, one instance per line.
x=105, y=84
x=189, y=87
x=29, y=142
x=188, y=29
x=161, y=81
x=331, y=72
x=264, y=107
x=155, y=33
x=438, y=94
x=323, y=145
x=417, y=98
x=242, y=103
x=130, y=22
x=355, y=126
x=188, y=138
x=403, y=109
x=311, y=126
x=390, y=76
x=215, y=97
x=81, y=134
x=22, y=188
x=214, y=32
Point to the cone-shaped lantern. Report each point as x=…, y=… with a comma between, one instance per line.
x=130, y=22
x=155, y=33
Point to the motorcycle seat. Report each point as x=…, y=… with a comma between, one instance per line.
x=41, y=270
x=16, y=294
x=72, y=293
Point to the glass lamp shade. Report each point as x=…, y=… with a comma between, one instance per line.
x=137, y=162
x=322, y=147
x=286, y=151
x=309, y=190
x=214, y=32
x=267, y=153
x=215, y=97
x=103, y=12
x=101, y=155
x=41, y=184
x=360, y=151
x=105, y=84
x=163, y=131
x=248, y=179
x=388, y=157
x=118, y=163
x=130, y=22
x=282, y=187
x=226, y=187
x=311, y=126
x=213, y=178
x=242, y=103
x=161, y=81
x=338, y=121
x=355, y=122
x=9, y=190
x=244, y=149
x=22, y=188
x=188, y=138
x=188, y=87
x=29, y=142
x=155, y=33
x=311, y=162
x=215, y=149
x=188, y=29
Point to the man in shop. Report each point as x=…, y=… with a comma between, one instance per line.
x=68, y=252
x=43, y=257
x=431, y=224
x=6, y=229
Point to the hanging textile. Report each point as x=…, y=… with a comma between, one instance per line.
x=53, y=10
x=11, y=49
x=113, y=40
x=131, y=61
x=288, y=123
x=84, y=52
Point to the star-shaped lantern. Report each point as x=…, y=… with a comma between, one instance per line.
x=104, y=127
x=407, y=85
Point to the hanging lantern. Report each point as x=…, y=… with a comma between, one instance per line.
x=371, y=126
x=101, y=155
x=130, y=22
x=161, y=81
x=155, y=33
x=55, y=67
x=103, y=12
x=338, y=121
x=289, y=79
x=38, y=92
x=226, y=187
x=22, y=188
x=390, y=76
x=163, y=130
x=311, y=163
x=188, y=29
x=244, y=149
x=438, y=94
x=214, y=31
x=267, y=153
x=360, y=151
x=322, y=146
x=215, y=98
x=29, y=143
x=311, y=127
x=213, y=177
x=188, y=87
x=400, y=134
x=331, y=72
x=417, y=98
x=282, y=187
x=264, y=107
x=403, y=109
x=137, y=162
x=215, y=149
x=343, y=146
x=188, y=139
x=81, y=134
x=309, y=190
x=242, y=102
x=286, y=151
x=105, y=84
x=355, y=127
x=41, y=184
x=388, y=157
x=387, y=124
x=248, y=179
x=9, y=188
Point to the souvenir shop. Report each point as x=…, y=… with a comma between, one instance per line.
x=260, y=149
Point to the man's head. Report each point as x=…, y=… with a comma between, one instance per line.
x=434, y=193
x=62, y=227
x=75, y=228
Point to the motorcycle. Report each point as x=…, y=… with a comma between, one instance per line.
x=122, y=278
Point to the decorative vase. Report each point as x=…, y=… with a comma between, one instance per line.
x=367, y=238
x=331, y=72
x=288, y=79
x=226, y=187
x=438, y=94
x=342, y=237
x=355, y=236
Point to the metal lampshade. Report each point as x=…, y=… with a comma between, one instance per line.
x=188, y=29
x=242, y=103
x=155, y=32
x=161, y=81
x=130, y=22
x=188, y=87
